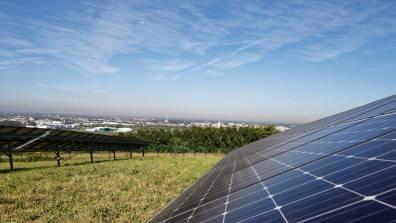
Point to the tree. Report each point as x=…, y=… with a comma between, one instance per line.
x=198, y=139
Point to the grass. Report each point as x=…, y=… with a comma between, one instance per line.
x=129, y=190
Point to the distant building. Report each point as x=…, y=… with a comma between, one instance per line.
x=281, y=128
x=109, y=129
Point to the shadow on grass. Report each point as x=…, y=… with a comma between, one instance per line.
x=21, y=169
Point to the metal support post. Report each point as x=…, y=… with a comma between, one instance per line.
x=10, y=156
x=91, y=156
x=57, y=155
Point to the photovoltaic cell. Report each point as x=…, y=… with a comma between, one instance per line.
x=338, y=169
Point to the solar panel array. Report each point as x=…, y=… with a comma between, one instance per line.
x=37, y=139
x=337, y=169
x=22, y=139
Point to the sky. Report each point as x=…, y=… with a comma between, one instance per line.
x=277, y=61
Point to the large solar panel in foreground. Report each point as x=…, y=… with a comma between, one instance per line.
x=338, y=169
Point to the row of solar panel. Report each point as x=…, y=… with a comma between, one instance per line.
x=35, y=139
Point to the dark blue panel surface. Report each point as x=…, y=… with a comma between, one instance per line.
x=362, y=212
x=388, y=197
x=375, y=183
x=389, y=155
x=250, y=210
x=268, y=217
x=245, y=192
x=357, y=171
x=371, y=149
x=301, y=192
x=249, y=198
x=287, y=181
x=320, y=203
x=330, y=165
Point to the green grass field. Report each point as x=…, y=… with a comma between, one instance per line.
x=128, y=190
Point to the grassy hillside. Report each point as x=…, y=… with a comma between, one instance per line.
x=129, y=190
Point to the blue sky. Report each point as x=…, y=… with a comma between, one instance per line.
x=291, y=61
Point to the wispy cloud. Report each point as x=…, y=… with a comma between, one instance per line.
x=86, y=36
x=163, y=69
x=323, y=31
x=93, y=90
x=11, y=63
x=238, y=60
x=214, y=73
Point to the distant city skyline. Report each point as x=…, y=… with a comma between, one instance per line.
x=138, y=117
x=272, y=61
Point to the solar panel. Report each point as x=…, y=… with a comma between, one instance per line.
x=22, y=139
x=338, y=169
x=36, y=139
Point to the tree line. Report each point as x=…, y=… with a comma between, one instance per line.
x=200, y=139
